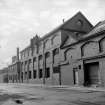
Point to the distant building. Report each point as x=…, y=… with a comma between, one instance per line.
x=14, y=70
x=4, y=75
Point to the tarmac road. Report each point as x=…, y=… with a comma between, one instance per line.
x=24, y=94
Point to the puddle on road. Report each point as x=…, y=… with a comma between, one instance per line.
x=18, y=99
x=5, y=97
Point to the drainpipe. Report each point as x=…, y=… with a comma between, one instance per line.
x=18, y=67
x=60, y=81
x=43, y=66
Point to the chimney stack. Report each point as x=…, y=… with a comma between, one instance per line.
x=63, y=20
x=17, y=54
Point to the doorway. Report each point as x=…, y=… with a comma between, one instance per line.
x=76, y=79
x=91, y=73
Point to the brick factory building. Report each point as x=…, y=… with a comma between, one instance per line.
x=71, y=54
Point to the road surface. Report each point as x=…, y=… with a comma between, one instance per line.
x=18, y=94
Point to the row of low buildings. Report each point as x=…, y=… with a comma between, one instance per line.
x=71, y=54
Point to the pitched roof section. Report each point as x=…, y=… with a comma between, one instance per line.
x=75, y=28
x=26, y=48
x=73, y=24
x=97, y=29
x=69, y=24
x=78, y=23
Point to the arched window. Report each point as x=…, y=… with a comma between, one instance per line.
x=34, y=62
x=34, y=59
x=90, y=48
x=47, y=54
x=56, y=51
x=56, y=55
x=47, y=43
x=71, y=53
x=30, y=64
x=56, y=39
x=102, y=44
x=40, y=57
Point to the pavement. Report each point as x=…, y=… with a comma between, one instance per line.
x=32, y=94
x=66, y=87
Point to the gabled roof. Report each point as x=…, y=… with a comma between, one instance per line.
x=98, y=29
x=67, y=25
x=74, y=29
x=26, y=48
x=62, y=26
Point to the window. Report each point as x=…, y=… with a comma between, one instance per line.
x=56, y=69
x=21, y=76
x=34, y=60
x=29, y=74
x=40, y=57
x=25, y=75
x=35, y=49
x=34, y=74
x=47, y=72
x=24, y=53
x=10, y=77
x=25, y=65
x=56, y=51
x=30, y=64
x=80, y=23
x=56, y=39
x=30, y=51
x=25, y=62
x=90, y=48
x=21, y=55
x=29, y=60
x=47, y=54
x=102, y=45
x=40, y=73
x=79, y=66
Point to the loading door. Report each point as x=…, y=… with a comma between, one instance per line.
x=91, y=73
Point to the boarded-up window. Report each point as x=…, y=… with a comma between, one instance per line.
x=47, y=54
x=56, y=40
x=56, y=69
x=40, y=57
x=56, y=56
x=72, y=54
x=47, y=43
x=56, y=51
x=90, y=49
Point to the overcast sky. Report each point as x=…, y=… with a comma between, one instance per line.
x=20, y=20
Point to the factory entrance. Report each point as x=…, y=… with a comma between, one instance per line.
x=91, y=73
